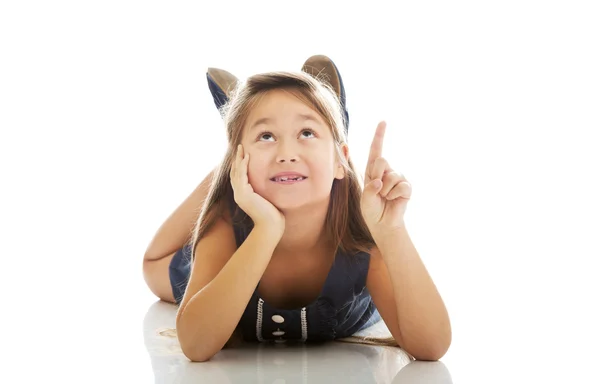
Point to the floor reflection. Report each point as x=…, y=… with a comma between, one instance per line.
x=282, y=363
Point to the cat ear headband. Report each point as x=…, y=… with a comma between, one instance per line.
x=221, y=82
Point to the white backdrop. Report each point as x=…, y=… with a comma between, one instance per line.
x=493, y=113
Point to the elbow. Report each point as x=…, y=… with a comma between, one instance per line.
x=191, y=348
x=198, y=353
x=430, y=351
x=431, y=355
x=198, y=340
x=197, y=358
x=197, y=348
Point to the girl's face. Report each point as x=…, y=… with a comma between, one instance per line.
x=282, y=134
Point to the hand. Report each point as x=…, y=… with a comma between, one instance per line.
x=386, y=193
x=257, y=207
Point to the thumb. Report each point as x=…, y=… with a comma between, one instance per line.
x=374, y=187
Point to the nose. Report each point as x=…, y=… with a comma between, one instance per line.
x=283, y=159
x=287, y=152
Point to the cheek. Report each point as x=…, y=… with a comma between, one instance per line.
x=257, y=171
x=323, y=170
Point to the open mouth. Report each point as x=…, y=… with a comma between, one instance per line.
x=288, y=180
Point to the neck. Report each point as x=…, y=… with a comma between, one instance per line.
x=304, y=230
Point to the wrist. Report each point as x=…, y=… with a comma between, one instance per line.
x=271, y=233
x=383, y=237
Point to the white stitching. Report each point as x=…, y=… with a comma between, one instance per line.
x=259, y=318
x=304, y=325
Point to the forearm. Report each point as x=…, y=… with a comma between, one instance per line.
x=210, y=317
x=422, y=316
x=177, y=229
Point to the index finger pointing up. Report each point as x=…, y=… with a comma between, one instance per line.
x=377, y=144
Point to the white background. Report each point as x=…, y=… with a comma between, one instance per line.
x=493, y=112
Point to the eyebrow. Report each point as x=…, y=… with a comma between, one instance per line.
x=299, y=117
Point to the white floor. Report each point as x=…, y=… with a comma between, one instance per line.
x=272, y=363
x=103, y=325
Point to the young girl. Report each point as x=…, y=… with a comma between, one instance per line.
x=287, y=246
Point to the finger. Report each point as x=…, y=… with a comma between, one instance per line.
x=239, y=156
x=232, y=169
x=377, y=144
x=378, y=168
x=244, y=170
x=240, y=167
x=390, y=179
x=402, y=189
x=234, y=163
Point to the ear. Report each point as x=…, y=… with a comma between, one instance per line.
x=340, y=171
x=220, y=83
x=323, y=68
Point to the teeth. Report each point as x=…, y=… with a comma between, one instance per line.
x=289, y=178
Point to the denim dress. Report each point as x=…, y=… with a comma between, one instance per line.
x=343, y=307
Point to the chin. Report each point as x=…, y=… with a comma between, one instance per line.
x=298, y=202
x=289, y=203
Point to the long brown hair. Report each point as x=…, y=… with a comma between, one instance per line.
x=344, y=222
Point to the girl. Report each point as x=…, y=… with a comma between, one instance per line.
x=287, y=246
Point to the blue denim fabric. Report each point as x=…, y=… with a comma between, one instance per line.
x=343, y=308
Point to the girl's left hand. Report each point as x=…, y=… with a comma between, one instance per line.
x=386, y=192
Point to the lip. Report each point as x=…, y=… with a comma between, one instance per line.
x=287, y=174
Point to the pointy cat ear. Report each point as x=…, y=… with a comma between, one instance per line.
x=221, y=83
x=322, y=68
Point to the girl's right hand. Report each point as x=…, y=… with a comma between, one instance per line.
x=260, y=210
